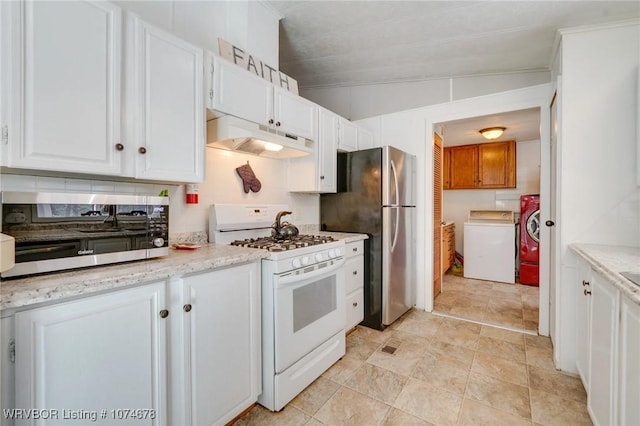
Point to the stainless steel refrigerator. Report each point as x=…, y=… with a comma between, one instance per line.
x=376, y=197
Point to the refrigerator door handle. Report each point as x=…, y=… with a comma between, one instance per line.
x=395, y=230
x=394, y=173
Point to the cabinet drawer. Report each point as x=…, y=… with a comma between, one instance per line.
x=355, y=308
x=355, y=248
x=354, y=273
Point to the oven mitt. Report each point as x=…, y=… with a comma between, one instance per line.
x=249, y=179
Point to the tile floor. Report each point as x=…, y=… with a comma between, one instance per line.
x=444, y=372
x=509, y=305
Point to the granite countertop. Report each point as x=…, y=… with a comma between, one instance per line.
x=610, y=261
x=22, y=292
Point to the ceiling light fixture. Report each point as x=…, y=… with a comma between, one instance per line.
x=492, y=132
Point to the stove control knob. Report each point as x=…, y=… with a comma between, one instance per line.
x=158, y=242
x=296, y=263
x=305, y=260
x=319, y=257
x=332, y=254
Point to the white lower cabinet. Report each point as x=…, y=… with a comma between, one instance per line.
x=104, y=354
x=179, y=352
x=354, y=283
x=602, y=351
x=220, y=345
x=629, y=367
x=583, y=320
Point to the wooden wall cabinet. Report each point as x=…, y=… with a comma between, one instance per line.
x=448, y=246
x=481, y=166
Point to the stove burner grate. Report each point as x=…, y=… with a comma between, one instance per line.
x=274, y=245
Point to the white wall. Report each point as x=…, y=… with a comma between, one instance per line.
x=246, y=24
x=598, y=197
x=457, y=203
x=358, y=102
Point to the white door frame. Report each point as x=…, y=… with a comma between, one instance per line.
x=531, y=97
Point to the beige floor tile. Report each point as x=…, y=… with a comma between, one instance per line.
x=342, y=370
x=438, y=307
x=402, y=361
x=378, y=383
x=360, y=348
x=348, y=407
x=470, y=312
x=530, y=314
x=500, y=368
x=260, y=416
x=501, y=348
x=530, y=301
x=419, y=328
x=550, y=410
x=479, y=285
x=431, y=404
x=459, y=337
x=504, y=287
x=474, y=300
x=409, y=341
x=461, y=325
x=449, y=297
x=425, y=317
x=441, y=373
x=370, y=334
x=400, y=418
x=506, y=295
x=499, y=303
x=314, y=422
x=557, y=383
x=500, y=394
x=501, y=334
x=530, y=325
x=474, y=413
x=315, y=395
x=539, y=357
x=459, y=355
x=537, y=342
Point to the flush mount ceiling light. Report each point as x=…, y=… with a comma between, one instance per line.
x=492, y=132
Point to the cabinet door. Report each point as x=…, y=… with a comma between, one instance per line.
x=327, y=150
x=104, y=352
x=496, y=165
x=602, y=351
x=222, y=333
x=464, y=167
x=65, y=86
x=629, y=369
x=237, y=92
x=170, y=137
x=365, y=139
x=348, y=136
x=583, y=304
x=446, y=168
x=295, y=115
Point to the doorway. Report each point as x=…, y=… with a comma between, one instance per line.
x=509, y=305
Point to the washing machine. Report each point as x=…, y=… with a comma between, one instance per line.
x=489, y=246
x=530, y=239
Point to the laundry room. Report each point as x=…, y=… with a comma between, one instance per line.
x=483, y=276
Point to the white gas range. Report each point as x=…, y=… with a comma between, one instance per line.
x=303, y=292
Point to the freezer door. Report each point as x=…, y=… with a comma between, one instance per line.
x=398, y=262
x=397, y=177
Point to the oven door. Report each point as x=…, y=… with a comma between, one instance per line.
x=309, y=309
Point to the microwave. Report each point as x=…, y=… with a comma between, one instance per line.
x=60, y=231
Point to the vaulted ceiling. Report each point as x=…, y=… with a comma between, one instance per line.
x=359, y=42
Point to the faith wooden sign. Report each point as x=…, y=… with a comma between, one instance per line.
x=254, y=65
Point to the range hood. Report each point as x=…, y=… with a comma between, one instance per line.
x=235, y=134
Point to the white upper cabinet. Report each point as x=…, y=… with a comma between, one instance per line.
x=67, y=109
x=365, y=139
x=236, y=91
x=168, y=140
x=348, y=136
x=64, y=81
x=294, y=114
x=317, y=173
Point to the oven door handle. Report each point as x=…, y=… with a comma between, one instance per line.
x=296, y=279
x=45, y=249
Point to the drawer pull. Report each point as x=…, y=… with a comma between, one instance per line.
x=355, y=304
x=585, y=283
x=355, y=272
x=164, y=313
x=355, y=249
x=586, y=292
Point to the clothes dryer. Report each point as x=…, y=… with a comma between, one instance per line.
x=530, y=239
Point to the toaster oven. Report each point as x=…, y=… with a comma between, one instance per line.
x=59, y=231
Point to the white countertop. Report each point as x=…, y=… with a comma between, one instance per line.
x=610, y=261
x=22, y=292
